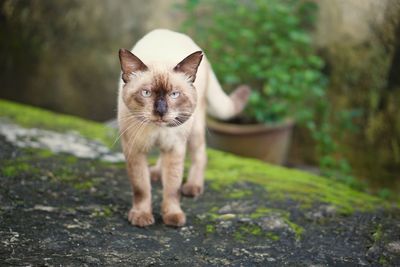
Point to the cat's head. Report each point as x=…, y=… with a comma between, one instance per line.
x=165, y=97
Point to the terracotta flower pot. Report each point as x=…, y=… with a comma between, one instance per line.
x=269, y=143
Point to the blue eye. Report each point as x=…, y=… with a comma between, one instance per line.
x=146, y=93
x=174, y=94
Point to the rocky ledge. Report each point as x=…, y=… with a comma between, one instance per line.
x=65, y=195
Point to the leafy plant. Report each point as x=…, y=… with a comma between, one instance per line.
x=266, y=44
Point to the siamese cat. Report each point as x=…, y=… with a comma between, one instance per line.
x=166, y=86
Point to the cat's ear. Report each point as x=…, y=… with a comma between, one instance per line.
x=130, y=64
x=190, y=64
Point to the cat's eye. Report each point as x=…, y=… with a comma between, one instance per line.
x=175, y=94
x=146, y=93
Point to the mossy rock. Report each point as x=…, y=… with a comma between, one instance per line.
x=223, y=169
x=33, y=117
x=56, y=205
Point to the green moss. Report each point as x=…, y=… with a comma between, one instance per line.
x=84, y=185
x=68, y=175
x=214, y=209
x=281, y=183
x=377, y=235
x=247, y=230
x=210, y=229
x=256, y=231
x=213, y=216
x=238, y=236
x=272, y=236
x=36, y=152
x=262, y=211
x=65, y=174
x=71, y=159
x=285, y=215
x=16, y=168
x=44, y=153
x=105, y=211
x=383, y=261
x=297, y=229
x=226, y=217
x=35, y=117
x=110, y=165
x=237, y=193
x=224, y=170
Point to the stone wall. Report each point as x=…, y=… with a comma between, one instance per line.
x=63, y=55
x=360, y=41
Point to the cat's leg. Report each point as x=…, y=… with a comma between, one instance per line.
x=138, y=171
x=155, y=171
x=197, y=150
x=172, y=172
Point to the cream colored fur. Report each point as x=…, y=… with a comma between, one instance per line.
x=161, y=50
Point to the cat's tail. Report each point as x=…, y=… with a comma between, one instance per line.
x=222, y=106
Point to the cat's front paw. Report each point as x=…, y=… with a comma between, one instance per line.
x=140, y=218
x=192, y=190
x=174, y=219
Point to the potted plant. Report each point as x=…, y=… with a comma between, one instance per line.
x=264, y=44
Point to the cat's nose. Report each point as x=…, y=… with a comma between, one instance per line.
x=160, y=107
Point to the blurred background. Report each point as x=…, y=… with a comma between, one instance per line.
x=333, y=66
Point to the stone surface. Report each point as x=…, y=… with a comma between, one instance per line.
x=394, y=247
x=60, y=208
x=350, y=21
x=70, y=143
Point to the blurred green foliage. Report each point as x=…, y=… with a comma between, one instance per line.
x=267, y=45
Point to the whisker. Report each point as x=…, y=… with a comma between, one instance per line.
x=127, y=128
x=208, y=132
x=132, y=115
x=136, y=135
x=126, y=119
x=128, y=143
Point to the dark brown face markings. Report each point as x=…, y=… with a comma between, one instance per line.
x=132, y=100
x=183, y=102
x=185, y=108
x=189, y=65
x=130, y=64
x=139, y=99
x=161, y=85
x=160, y=106
x=161, y=88
x=160, y=102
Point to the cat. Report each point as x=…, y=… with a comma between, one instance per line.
x=166, y=85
